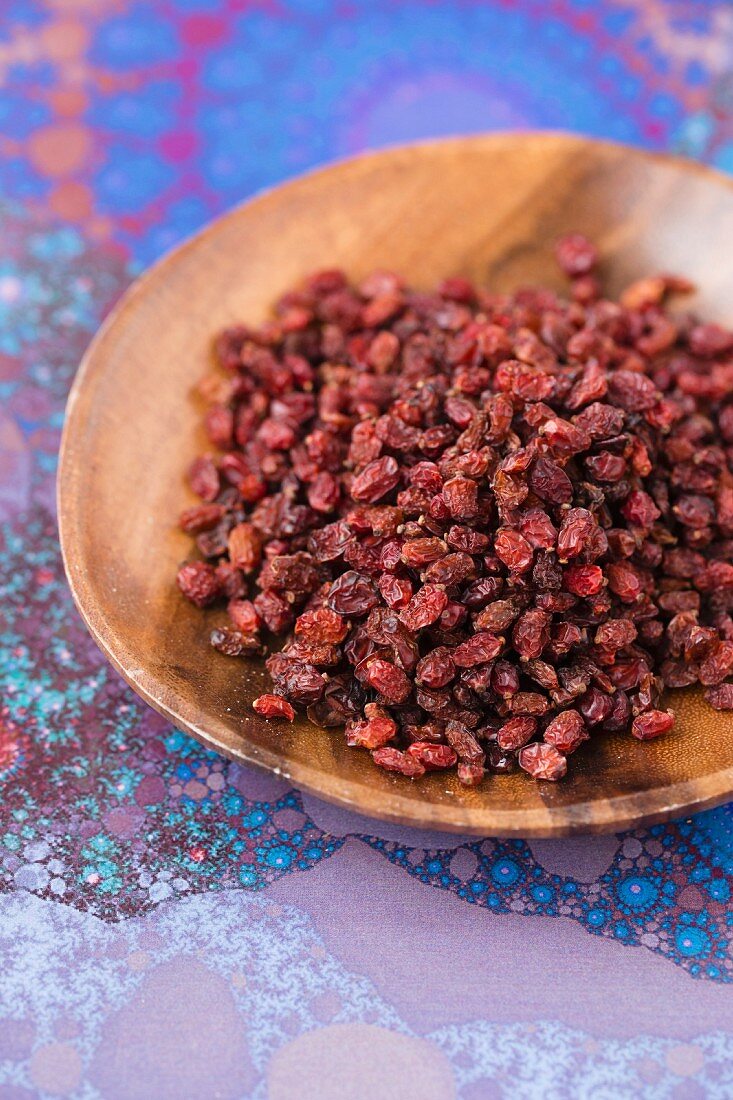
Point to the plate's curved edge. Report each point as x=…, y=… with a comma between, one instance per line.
x=619, y=812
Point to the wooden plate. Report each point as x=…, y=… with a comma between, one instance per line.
x=488, y=207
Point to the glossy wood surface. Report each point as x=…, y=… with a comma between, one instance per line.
x=487, y=207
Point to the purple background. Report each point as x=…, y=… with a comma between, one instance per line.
x=172, y=925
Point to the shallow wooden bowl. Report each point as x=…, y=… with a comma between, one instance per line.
x=487, y=207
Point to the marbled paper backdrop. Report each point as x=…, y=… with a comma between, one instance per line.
x=175, y=926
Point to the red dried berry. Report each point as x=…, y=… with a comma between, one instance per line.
x=274, y=610
x=504, y=679
x=538, y=529
x=234, y=643
x=550, y=482
x=529, y=703
x=478, y=650
x=625, y=582
x=436, y=669
x=640, y=510
x=566, y=731
x=432, y=757
x=200, y=518
x=543, y=761
x=513, y=550
x=419, y=552
x=720, y=697
x=652, y=724
x=460, y=495
x=372, y=733
x=606, y=467
x=321, y=625
x=324, y=492
x=531, y=633
x=352, y=594
x=595, y=706
x=395, y=761
x=425, y=607
x=244, y=616
x=198, y=583
x=516, y=732
x=376, y=480
x=583, y=580
x=576, y=531
x=203, y=477
x=396, y=591
x=614, y=634
x=302, y=683
x=470, y=773
x=710, y=340
x=230, y=580
x=389, y=680
x=460, y=738
x=273, y=706
x=245, y=547
x=718, y=664
x=575, y=254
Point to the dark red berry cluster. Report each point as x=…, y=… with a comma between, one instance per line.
x=486, y=526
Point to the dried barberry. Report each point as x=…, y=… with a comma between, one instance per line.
x=372, y=733
x=652, y=724
x=198, y=582
x=566, y=731
x=432, y=757
x=233, y=643
x=473, y=521
x=543, y=761
x=516, y=732
x=273, y=706
x=395, y=761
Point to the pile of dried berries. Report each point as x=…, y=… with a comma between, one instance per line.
x=488, y=526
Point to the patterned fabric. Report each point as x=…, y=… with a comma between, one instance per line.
x=173, y=925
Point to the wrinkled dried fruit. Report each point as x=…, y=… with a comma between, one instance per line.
x=425, y=607
x=543, y=761
x=388, y=680
x=198, y=582
x=233, y=643
x=372, y=733
x=470, y=773
x=321, y=625
x=432, y=757
x=273, y=706
x=652, y=724
x=478, y=650
x=566, y=731
x=437, y=668
x=720, y=697
x=516, y=732
x=395, y=761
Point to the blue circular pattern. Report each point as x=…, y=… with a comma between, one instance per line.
x=637, y=893
x=505, y=872
x=280, y=856
x=691, y=942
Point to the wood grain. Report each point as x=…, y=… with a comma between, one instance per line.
x=487, y=207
